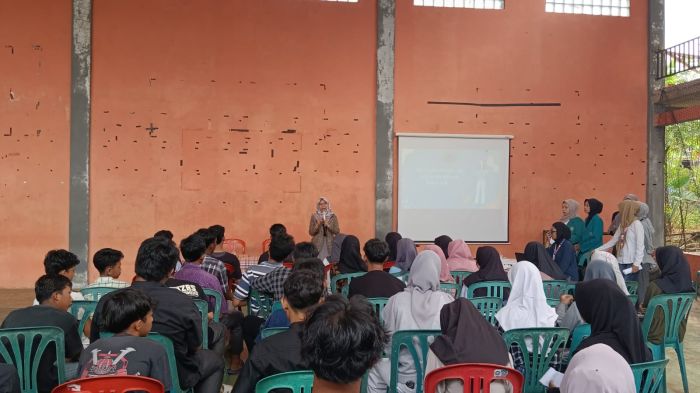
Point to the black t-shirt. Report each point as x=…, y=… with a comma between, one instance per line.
x=376, y=283
x=176, y=317
x=190, y=289
x=230, y=260
x=126, y=355
x=42, y=315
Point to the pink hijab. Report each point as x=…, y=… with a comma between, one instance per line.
x=445, y=275
x=461, y=256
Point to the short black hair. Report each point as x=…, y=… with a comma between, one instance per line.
x=303, y=289
x=156, y=258
x=208, y=236
x=49, y=284
x=309, y=264
x=281, y=246
x=342, y=339
x=305, y=250
x=164, y=233
x=56, y=261
x=106, y=257
x=277, y=229
x=376, y=250
x=219, y=232
x=124, y=307
x=192, y=247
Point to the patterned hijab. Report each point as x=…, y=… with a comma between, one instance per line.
x=320, y=214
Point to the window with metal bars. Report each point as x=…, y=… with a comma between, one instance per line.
x=482, y=4
x=589, y=7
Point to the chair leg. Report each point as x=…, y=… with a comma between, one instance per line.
x=681, y=362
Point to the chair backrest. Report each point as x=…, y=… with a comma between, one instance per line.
x=543, y=346
x=172, y=362
x=403, y=276
x=112, y=384
x=416, y=342
x=346, y=278
x=203, y=308
x=473, y=376
x=459, y=275
x=265, y=245
x=580, y=333
x=262, y=301
x=555, y=288
x=234, y=246
x=675, y=308
x=267, y=332
x=296, y=381
x=633, y=298
x=649, y=376
x=378, y=303
x=95, y=293
x=82, y=310
x=488, y=307
x=450, y=288
x=493, y=289
x=632, y=287
x=24, y=347
x=219, y=299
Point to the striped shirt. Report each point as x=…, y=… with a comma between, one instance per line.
x=254, y=272
x=216, y=268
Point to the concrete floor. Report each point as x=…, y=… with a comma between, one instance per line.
x=11, y=299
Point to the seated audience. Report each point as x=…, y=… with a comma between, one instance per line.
x=467, y=337
x=377, y=282
x=592, y=237
x=128, y=314
x=445, y=276
x=490, y=269
x=598, y=369
x=405, y=254
x=562, y=251
x=392, y=239
x=675, y=278
x=192, y=249
x=610, y=259
x=176, y=317
x=567, y=310
x=54, y=295
x=613, y=320
x=233, y=265
x=164, y=233
x=461, y=258
x=570, y=218
x=282, y=352
x=350, y=260
x=443, y=241
x=334, y=258
x=214, y=266
x=275, y=229
x=536, y=254
x=62, y=262
x=269, y=283
x=418, y=307
x=108, y=263
x=340, y=341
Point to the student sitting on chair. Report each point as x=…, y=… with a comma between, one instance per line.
x=62, y=262
x=109, y=263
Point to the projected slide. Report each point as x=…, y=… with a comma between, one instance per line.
x=454, y=186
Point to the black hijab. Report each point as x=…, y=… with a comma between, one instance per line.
x=563, y=232
x=675, y=271
x=467, y=337
x=490, y=267
x=613, y=320
x=350, y=259
x=392, y=238
x=537, y=254
x=594, y=207
x=443, y=242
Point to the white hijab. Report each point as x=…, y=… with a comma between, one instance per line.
x=612, y=261
x=527, y=305
x=598, y=368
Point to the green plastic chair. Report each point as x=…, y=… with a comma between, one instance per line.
x=553, y=289
x=24, y=347
x=488, y=307
x=346, y=278
x=262, y=301
x=450, y=288
x=403, y=276
x=296, y=381
x=408, y=339
x=172, y=363
x=675, y=308
x=633, y=298
x=580, y=333
x=552, y=302
x=267, y=332
x=96, y=293
x=632, y=287
x=82, y=310
x=378, y=303
x=537, y=363
x=219, y=298
x=493, y=289
x=203, y=308
x=459, y=275
x=649, y=376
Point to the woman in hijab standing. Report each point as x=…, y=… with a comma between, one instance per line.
x=628, y=240
x=443, y=241
x=650, y=270
x=675, y=278
x=613, y=320
x=323, y=228
x=567, y=310
x=490, y=269
x=445, y=275
x=615, y=219
x=417, y=307
x=461, y=258
x=392, y=239
x=562, y=251
x=405, y=254
x=569, y=216
x=600, y=369
x=538, y=256
x=593, y=226
x=480, y=344
x=350, y=258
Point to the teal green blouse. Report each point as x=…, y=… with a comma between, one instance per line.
x=593, y=235
x=577, y=228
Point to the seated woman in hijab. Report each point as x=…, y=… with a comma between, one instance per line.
x=569, y=211
x=526, y=308
x=461, y=257
x=335, y=248
x=443, y=241
x=592, y=237
x=562, y=251
x=350, y=259
x=418, y=307
x=613, y=320
x=610, y=259
x=598, y=368
x=392, y=239
x=445, y=276
x=675, y=278
x=490, y=269
x=405, y=254
x=538, y=256
x=569, y=316
x=467, y=337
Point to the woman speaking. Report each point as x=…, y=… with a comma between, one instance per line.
x=323, y=228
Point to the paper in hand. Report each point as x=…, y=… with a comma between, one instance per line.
x=552, y=377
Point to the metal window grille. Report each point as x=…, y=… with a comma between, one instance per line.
x=589, y=7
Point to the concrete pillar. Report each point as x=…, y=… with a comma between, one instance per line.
x=656, y=152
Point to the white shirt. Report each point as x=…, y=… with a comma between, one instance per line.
x=632, y=251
